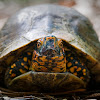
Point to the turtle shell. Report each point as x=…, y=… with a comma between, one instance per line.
x=28, y=25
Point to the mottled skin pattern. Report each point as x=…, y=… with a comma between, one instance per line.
x=49, y=56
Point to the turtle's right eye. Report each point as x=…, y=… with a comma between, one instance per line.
x=38, y=44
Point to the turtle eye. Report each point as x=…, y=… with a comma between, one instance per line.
x=38, y=44
x=60, y=44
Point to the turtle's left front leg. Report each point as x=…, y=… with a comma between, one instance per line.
x=20, y=66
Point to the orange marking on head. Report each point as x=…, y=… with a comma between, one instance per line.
x=14, y=65
x=13, y=75
x=61, y=57
x=22, y=71
x=69, y=64
x=72, y=69
x=56, y=57
x=36, y=58
x=43, y=58
x=25, y=59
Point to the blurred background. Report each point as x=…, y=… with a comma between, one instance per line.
x=89, y=8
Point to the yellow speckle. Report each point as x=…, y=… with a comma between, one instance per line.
x=22, y=71
x=82, y=64
x=29, y=62
x=82, y=78
x=10, y=71
x=76, y=62
x=75, y=74
x=28, y=53
x=75, y=67
x=66, y=61
x=72, y=69
x=69, y=64
x=22, y=64
x=43, y=58
x=13, y=75
x=26, y=67
x=71, y=57
x=78, y=69
x=25, y=59
x=14, y=65
x=84, y=70
x=84, y=73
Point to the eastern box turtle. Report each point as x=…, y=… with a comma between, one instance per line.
x=48, y=48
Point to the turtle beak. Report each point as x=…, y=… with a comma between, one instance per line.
x=50, y=53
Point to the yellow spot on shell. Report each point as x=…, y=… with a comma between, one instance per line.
x=82, y=78
x=76, y=62
x=78, y=69
x=29, y=62
x=28, y=53
x=25, y=59
x=75, y=67
x=84, y=73
x=14, y=65
x=22, y=71
x=71, y=57
x=75, y=74
x=26, y=67
x=13, y=75
x=66, y=61
x=10, y=71
x=84, y=70
x=22, y=64
x=82, y=64
x=69, y=64
x=72, y=69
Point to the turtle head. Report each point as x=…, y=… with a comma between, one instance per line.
x=50, y=46
x=49, y=55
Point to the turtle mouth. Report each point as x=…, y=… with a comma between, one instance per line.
x=50, y=53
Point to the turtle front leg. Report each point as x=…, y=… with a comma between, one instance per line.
x=76, y=67
x=21, y=66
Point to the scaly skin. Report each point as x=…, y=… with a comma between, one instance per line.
x=48, y=56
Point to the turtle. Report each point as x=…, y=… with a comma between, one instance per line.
x=49, y=48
